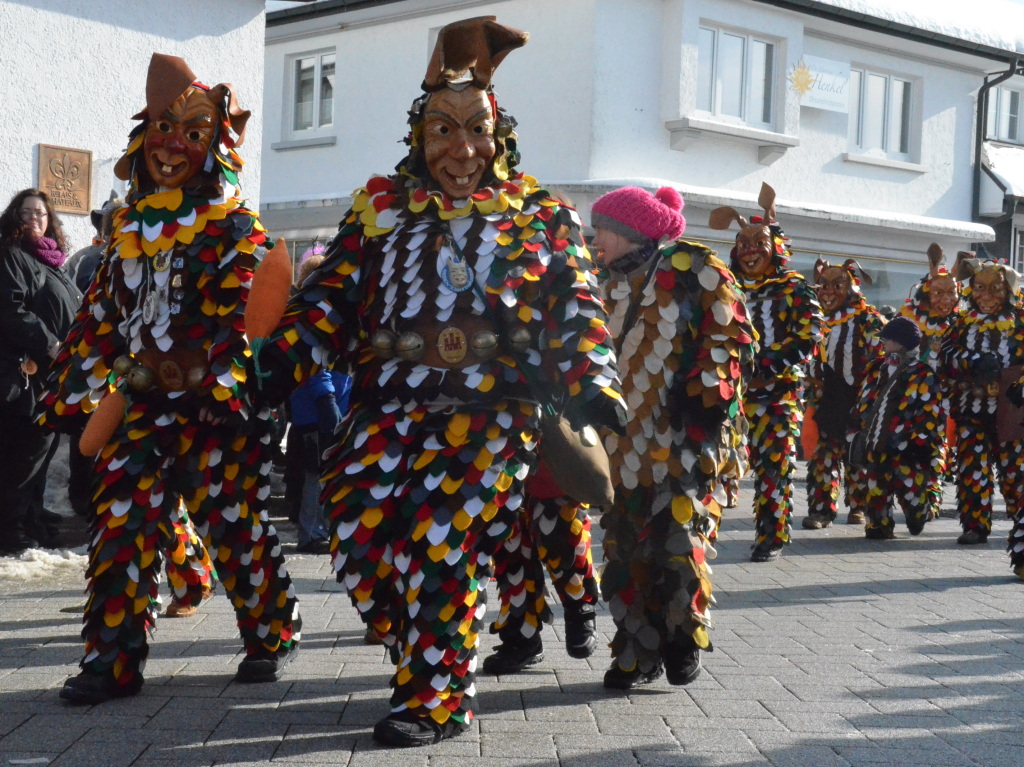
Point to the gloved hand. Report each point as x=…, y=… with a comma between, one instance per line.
x=985, y=369
x=328, y=415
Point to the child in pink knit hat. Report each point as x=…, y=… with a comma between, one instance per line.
x=684, y=341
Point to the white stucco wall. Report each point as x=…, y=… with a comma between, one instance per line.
x=75, y=73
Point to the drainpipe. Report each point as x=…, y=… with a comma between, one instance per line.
x=981, y=129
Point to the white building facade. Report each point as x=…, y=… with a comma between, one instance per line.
x=76, y=73
x=864, y=126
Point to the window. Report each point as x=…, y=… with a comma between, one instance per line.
x=881, y=106
x=1004, y=121
x=1018, y=250
x=313, y=92
x=736, y=76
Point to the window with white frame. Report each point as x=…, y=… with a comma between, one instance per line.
x=881, y=110
x=736, y=76
x=312, y=88
x=1004, y=117
x=1018, y=250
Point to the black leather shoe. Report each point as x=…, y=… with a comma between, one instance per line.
x=89, y=689
x=682, y=662
x=265, y=666
x=915, y=522
x=766, y=552
x=617, y=679
x=816, y=522
x=405, y=730
x=880, y=533
x=16, y=543
x=580, y=629
x=971, y=537
x=510, y=657
x=317, y=546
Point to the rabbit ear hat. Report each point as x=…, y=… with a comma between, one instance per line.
x=722, y=218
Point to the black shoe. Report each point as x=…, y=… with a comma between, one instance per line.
x=915, y=522
x=265, y=666
x=880, y=533
x=971, y=537
x=816, y=522
x=580, y=629
x=617, y=679
x=89, y=689
x=766, y=552
x=510, y=657
x=682, y=662
x=856, y=518
x=405, y=730
x=16, y=543
x=316, y=546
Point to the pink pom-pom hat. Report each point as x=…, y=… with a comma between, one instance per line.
x=638, y=215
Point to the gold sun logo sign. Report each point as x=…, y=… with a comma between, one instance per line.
x=801, y=79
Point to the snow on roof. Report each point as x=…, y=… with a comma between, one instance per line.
x=1007, y=164
x=996, y=23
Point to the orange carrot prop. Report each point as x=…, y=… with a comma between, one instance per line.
x=102, y=424
x=268, y=296
x=809, y=434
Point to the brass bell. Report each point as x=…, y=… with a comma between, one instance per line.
x=194, y=377
x=410, y=347
x=383, y=344
x=140, y=379
x=485, y=344
x=123, y=365
x=519, y=339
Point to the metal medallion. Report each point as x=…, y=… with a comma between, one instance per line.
x=456, y=275
x=149, y=308
x=162, y=261
x=451, y=345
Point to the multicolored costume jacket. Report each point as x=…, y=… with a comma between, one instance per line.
x=682, y=363
x=785, y=313
x=427, y=479
x=932, y=328
x=850, y=343
x=900, y=412
x=998, y=339
x=168, y=299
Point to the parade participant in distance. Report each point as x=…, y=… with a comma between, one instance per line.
x=158, y=352
x=450, y=287
x=787, y=317
x=836, y=374
x=685, y=343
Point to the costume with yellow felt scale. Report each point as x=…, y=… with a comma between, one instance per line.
x=158, y=351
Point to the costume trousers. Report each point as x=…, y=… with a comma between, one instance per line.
x=981, y=458
x=189, y=567
x=823, y=473
x=420, y=498
x=552, y=533
x=154, y=459
x=892, y=479
x=774, y=431
x=655, y=572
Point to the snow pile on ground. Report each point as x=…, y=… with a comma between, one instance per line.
x=34, y=564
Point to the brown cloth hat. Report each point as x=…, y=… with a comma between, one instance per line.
x=167, y=79
x=467, y=52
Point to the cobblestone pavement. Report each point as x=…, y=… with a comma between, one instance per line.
x=845, y=652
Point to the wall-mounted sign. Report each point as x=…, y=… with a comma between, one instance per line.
x=822, y=83
x=66, y=176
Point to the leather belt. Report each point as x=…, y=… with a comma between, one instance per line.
x=459, y=343
x=176, y=370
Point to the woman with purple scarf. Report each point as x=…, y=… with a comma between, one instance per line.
x=38, y=301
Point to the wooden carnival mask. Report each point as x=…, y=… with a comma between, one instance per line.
x=755, y=246
x=941, y=288
x=178, y=140
x=458, y=139
x=989, y=289
x=835, y=285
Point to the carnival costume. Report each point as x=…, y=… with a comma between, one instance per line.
x=850, y=342
x=424, y=296
x=934, y=304
x=685, y=342
x=982, y=353
x=785, y=313
x=900, y=416
x=158, y=352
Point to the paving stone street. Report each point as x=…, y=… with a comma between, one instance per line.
x=845, y=652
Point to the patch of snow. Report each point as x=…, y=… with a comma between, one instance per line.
x=36, y=564
x=1006, y=162
x=997, y=23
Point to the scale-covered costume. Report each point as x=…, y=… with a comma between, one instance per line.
x=685, y=342
x=161, y=333
x=982, y=355
x=850, y=342
x=423, y=297
x=901, y=416
x=785, y=313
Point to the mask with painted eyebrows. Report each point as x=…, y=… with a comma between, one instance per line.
x=178, y=141
x=458, y=139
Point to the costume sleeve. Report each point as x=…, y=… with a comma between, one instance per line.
x=321, y=320
x=866, y=397
x=576, y=327
x=926, y=417
x=871, y=345
x=22, y=329
x=82, y=372
x=801, y=321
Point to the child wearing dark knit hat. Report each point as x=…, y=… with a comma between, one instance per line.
x=901, y=423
